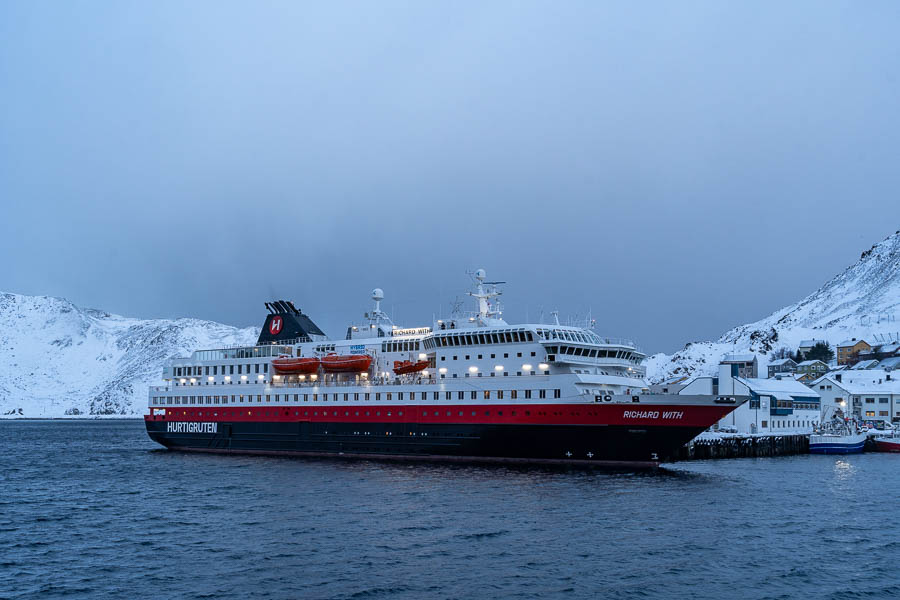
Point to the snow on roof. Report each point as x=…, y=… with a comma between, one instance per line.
x=867, y=382
x=771, y=387
x=810, y=362
x=811, y=343
x=780, y=361
x=890, y=363
x=852, y=342
x=865, y=364
x=890, y=348
x=738, y=358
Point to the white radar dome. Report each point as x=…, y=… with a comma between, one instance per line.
x=480, y=274
x=377, y=294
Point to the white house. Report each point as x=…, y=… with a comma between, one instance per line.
x=777, y=405
x=867, y=395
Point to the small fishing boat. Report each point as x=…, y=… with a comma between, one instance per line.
x=837, y=437
x=346, y=363
x=285, y=365
x=889, y=442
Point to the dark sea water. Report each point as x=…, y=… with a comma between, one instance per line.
x=95, y=510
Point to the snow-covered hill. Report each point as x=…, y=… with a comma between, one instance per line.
x=58, y=359
x=862, y=302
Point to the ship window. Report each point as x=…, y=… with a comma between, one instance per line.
x=437, y=396
x=356, y=396
x=499, y=394
x=424, y=395
x=461, y=395
x=306, y=397
x=266, y=368
x=346, y=397
x=513, y=394
x=315, y=397
x=366, y=397
x=399, y=395
x=487, y=394
x=389, y=396
x=542, y=393
x=556, y=393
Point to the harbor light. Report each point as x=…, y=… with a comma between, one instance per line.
x=473, y=369
x=543, y=366
x=526, y=367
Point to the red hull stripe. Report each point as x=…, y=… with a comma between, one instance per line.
x=522, y=414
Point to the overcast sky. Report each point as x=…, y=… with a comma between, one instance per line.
x=676, y=168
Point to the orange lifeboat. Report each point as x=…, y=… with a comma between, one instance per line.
x=286, y=365
x=346, y=363
x=404, y=367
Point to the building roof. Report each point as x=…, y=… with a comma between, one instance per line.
x=781, y=361
x=852, y=342
x=811, y=343
x=864, y=364
x=773, y=387
x=730, y=358
x=809, y=363
x=890, y=363
x=866, y=382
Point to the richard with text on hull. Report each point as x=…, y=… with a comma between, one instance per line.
x=468, y=388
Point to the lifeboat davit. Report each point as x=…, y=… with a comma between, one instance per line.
x=286, y=365
x=404, y=367
x=346, y=363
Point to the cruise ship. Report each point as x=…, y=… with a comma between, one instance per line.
x=471, y=387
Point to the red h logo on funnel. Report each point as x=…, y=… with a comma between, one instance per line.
x=275, y=325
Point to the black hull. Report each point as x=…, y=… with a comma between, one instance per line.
x=602, y=445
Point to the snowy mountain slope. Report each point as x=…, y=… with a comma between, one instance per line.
x=863, y=302
x=59, y=359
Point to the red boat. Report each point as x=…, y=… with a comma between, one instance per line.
x=887, y=444
x=286, y=365
x=404, y=367
x=346, y=363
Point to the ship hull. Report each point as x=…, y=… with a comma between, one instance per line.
x=593, y=440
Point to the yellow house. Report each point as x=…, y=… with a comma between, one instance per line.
x=848, y=351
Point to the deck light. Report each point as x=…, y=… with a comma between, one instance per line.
x=498, y=368
x=526, y=367
x=210, y=378
x=543, y=366
x=424, y=373
x=442, y=370
x=422, y=356
x=243, y=377
x=262, y=376
x=473, y=369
